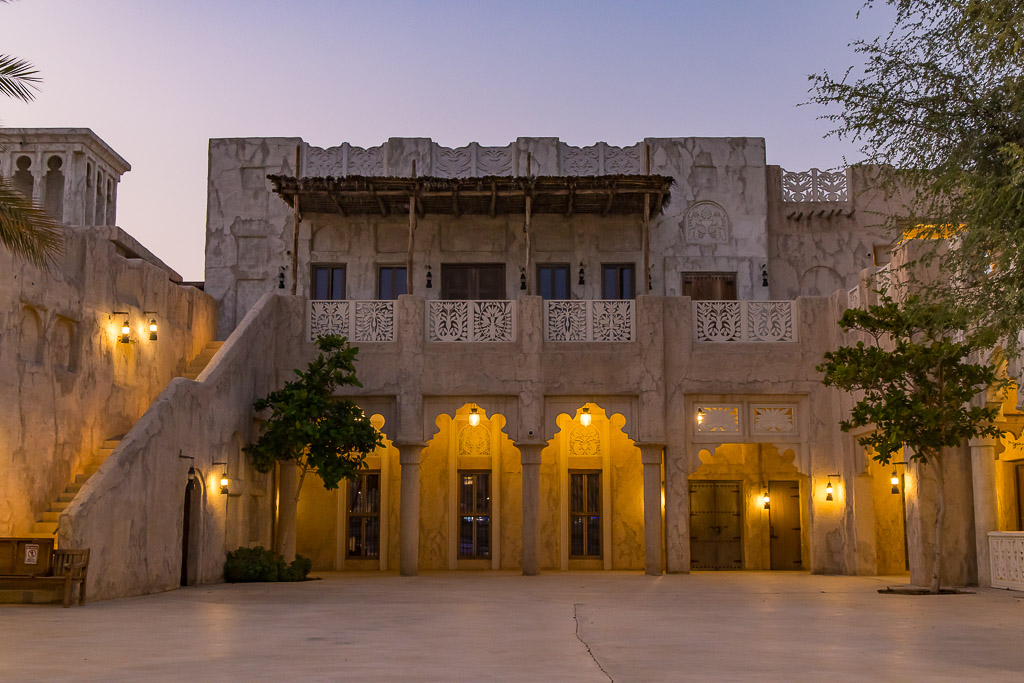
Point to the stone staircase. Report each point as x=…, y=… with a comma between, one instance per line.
x=200, y=362
x=47, y=526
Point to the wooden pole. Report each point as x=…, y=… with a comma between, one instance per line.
x=296, y=221
x=647, y=243
x=412, y=232
x=529, y=248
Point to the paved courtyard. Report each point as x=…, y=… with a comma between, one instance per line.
x=559, y=627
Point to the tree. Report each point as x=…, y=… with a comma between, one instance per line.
x=939, y=103
x=26, y=230
x=311, y=430
x=917, y=385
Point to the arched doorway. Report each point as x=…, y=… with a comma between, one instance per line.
x=189, y=530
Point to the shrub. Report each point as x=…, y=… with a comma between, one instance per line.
x=259, y=564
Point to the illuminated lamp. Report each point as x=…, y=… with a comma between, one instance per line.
x=765, y=500
x=585, y=416
x=474, y=416
x=828, y=490
x=700, y=416
x=895, y=481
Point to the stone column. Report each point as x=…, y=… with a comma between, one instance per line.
x=983, y=475
x=409, y=511
x=530, y=456
x=650, y=456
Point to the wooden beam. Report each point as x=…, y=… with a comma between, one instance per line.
x=412, y=244
x=529, y=248
x=338, y=205
x=455, y=203
x=494, y=199
x=646, y=239
x=380, y=202
x=572, y=198
x=611, y=200
x=296, y=223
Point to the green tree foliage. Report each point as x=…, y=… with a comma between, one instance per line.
x=939, y=100
x=26, y=230
x=259, y=564
x=309, y=426
x=915, y=385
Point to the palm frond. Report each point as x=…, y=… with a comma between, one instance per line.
x=27, y=230
x=18, y=78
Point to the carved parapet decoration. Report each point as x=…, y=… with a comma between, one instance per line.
x=471, y=321
x=1006, y=555
x=343, y=160
x=360, y=321
x=601, y=159
x=814, y=186
x=601, y=320
x=745, y=321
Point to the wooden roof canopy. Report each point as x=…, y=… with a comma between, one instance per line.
x=488, y=195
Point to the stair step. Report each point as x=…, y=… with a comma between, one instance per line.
x=80, y=479
x=58, y=505
x=51, y=515
x=44, y=527
x=74, y=487
x=65, y=497
x=111, y=443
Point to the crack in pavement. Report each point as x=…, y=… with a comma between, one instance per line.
x=575, y=617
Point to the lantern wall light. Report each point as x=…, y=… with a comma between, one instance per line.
x=224, y=481
x=700, y=416
x=894, y=479
x=474, y=416
x=430, y=279
x=191, y=469
x=582, y=279
x=828, y=486
x=152, y=324
x=585, y=416
x=766, y=500
x=126, y=329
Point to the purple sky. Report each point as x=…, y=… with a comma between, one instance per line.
x=157, y=79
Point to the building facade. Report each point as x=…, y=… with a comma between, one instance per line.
x=579, y=357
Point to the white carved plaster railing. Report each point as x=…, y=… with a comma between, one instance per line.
x=360, y=321
x=472, y=161
x=1006, y=557
x=883, y=280
x=853, y=297
x=599, y=320
x=600, y=159
x=744, y=321
x=471, y=321
x=814, y=186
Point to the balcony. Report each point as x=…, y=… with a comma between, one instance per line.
x=744, y=321
x=360, y=321
x=602, y=320
x=471, y=321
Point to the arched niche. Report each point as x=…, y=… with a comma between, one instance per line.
x=53, y=188
x=62, y=345
x=820, y=281
x=22, y=180
x=30, y=336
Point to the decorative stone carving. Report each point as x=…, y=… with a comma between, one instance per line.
x=325, y=162
x=581, y=160
x=1006, y=557
x=368, y=161
x=494, y=161
x=770, y=321
x=814, y=186
x=453, y=163
x=707, y=223
x=773, y=419
x=721, y=419
x=744, y=321
x=474, y=440
x=471, y=321
x=360, y=321
x=589, y=321
x=853, y=298
x=623, y=160
x=566, y=321
x=718, y=321
x=584, y=441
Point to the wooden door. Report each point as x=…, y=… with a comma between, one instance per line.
x=716, y=525
x=709, y=286
x=784, y=522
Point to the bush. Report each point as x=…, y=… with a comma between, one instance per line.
x=259, y=564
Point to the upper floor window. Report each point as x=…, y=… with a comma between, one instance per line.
x=618, y=281
x=472, y=280
x=328, y=281
x=553, y=281
x=709, y=286
x=391, y=282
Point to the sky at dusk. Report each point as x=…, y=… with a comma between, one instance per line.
x=157, y=79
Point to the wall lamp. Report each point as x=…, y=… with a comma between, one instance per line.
x=126, y=327
x=764, y=274
x=224, y=478
x=522, y=277
x=700, y=416
x=430, y=279
x=585, y=416
x=192, y=468
x=152, y=324
x=766, y=500
x=828, y=486
x=474, y=416
x=582, y=280
x=894, y=479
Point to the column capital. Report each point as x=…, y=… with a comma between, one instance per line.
x=529, y=451
x=650, y=453
x=983, y=442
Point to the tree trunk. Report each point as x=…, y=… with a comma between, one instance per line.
x=939, y=509
x=287, y=508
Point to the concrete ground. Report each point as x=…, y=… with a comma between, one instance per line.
x=594, y=626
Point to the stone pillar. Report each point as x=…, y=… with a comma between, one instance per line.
x=983, y=475
x=677, y=510
x=650, y=456
x=409, y=509
x=530, y=455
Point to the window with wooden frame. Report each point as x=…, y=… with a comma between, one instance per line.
x=474, y=515
x=391, y=281
x=473, y=281
x=618, y=281
x=553, y=280
x=710, y=286
x=328, y=281
x=364, y=515
x=585, y=514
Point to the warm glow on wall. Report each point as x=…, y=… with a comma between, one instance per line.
x=585, y=416
x=474, y=416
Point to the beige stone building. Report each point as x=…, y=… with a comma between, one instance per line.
x=580, y=358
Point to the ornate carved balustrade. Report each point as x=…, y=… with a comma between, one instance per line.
x=471, y=321
x=1006, y=557
x=814, y=186
x=602, y=320
x=360, y=321
x=744, y=321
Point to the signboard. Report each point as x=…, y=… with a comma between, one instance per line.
x=31, y=553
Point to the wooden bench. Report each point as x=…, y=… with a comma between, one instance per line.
x=33, y=563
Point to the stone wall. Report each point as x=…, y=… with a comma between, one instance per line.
x=69, y=382
x=130, y=513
